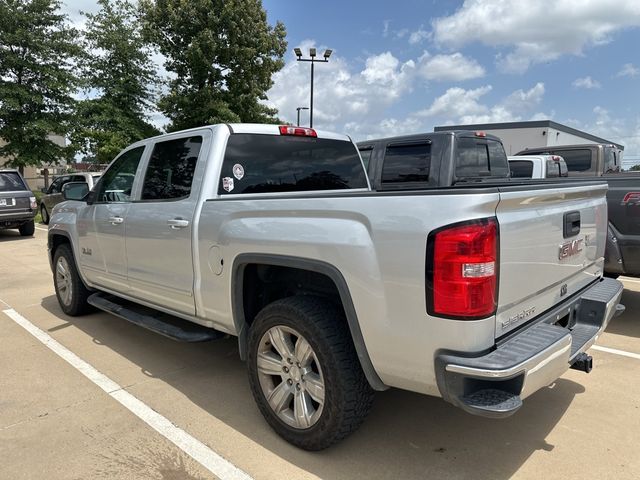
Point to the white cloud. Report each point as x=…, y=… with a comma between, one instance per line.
x=460, y=106
x=586, y=82
x=628, y=70
x=419, y=36
x=613, y=128
x=340, y=94
x=454, y=67
x=538, y=31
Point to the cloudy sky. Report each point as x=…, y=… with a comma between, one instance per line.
x=409, y=65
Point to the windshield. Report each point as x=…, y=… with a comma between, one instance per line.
x=11, y=181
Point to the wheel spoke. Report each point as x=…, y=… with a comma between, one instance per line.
x=315, y=387
x=304, y=352
x=302, y=409
x=61, y=269
x=280, y=397
x=281, y=341
x=269, y=364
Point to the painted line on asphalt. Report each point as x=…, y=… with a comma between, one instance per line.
x=43, y=229
x=193, y=447
x=615, y=351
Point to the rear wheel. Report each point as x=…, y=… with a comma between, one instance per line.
x=305, y=374
x=70, y=290
x=27, y=229
x=44, y=214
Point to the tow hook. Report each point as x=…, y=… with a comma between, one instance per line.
x=583, y=362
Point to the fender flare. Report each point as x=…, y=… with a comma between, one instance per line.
x=237, y=282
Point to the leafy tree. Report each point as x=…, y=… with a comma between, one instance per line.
x=120, y=78
x=635, y=168
x=222, y=54
x=37, y=79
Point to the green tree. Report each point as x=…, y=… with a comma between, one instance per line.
x=635, y=168
x=37, y=56
x=120, y=79
x=222, y=54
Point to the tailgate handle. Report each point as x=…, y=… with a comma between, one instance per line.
x=571, y=224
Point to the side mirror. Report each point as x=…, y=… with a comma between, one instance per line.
x=75, y=191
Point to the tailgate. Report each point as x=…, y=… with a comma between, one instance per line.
x=544, y=258
x=15, y=202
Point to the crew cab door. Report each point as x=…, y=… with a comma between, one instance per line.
x=101, y=225
x=160, y=224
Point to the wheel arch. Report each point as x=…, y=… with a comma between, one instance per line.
x=308, y=265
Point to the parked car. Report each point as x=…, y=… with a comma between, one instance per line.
x=17, y=203
x=603, y=161
x=334, y=290
x=53, y=195
x=537, y=166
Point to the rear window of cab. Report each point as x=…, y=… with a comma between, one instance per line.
x=255, y=163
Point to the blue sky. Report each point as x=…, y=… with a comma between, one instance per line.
x=406, y=66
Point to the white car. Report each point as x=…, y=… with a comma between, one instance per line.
x=537, y=166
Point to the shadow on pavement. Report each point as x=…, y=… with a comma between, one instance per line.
x=407, y=435
x=628, y=323
x=8, y=235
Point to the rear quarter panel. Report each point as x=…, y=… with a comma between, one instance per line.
x=377, y=242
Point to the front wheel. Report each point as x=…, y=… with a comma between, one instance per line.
x=305, y=374
x=70, y=290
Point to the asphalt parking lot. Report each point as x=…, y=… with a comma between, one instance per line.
x=55, y=423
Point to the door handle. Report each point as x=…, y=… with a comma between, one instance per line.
x=177, y=223
x=116, y=220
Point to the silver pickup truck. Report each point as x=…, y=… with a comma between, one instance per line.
x=479, y=292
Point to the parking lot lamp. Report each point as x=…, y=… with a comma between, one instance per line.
x=312, y=58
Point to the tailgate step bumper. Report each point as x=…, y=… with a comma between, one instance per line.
x=495, y=383
x=159, y=322
x=491, y=402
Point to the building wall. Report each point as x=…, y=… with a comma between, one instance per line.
x=556, y=137
x=517, y=139
x=32, y=174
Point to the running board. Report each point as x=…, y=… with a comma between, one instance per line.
x=167, y=325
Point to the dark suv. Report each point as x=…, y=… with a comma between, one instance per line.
x=17, y=203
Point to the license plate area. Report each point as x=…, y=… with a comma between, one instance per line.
x=7, y=202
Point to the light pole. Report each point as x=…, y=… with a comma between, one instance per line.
x=313, y=60
x=298, y=109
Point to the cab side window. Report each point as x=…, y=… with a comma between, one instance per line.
x=170, y=171
x=115, y=185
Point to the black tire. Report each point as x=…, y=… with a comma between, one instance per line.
x=77, y=301
x=27, y=229
x=348, y=396
x=44, y=214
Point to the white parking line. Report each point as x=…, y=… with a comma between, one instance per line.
x=43, y=229
x=197, y=450
x=615, y=351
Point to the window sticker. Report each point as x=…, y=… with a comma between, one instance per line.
x=227, y=184
x=238, y=171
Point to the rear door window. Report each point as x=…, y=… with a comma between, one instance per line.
x=406, y=163
x=170, y=171
x=521, y=168
x=256, y=163
x=11, y=182
x=477, y=157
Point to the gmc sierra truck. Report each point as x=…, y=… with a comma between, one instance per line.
x=481, y=292
x=603, y=161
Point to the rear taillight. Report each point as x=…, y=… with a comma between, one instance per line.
x=297, y=131
x=462, y=270
x=32, y=203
